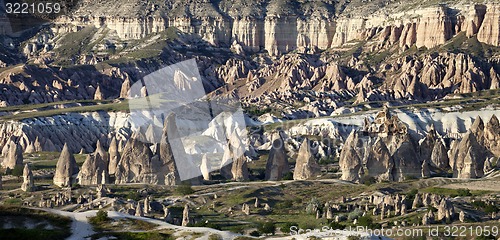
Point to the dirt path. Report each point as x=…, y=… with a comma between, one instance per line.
x=81, y=228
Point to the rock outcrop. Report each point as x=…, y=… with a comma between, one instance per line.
x=205, y=168
x=137, y=164
x=14, y=156
x=114, y=156
x=277, y=162
x=66, y=169
x=93, y=171
x=386, y=152
x=185, y=216
x=28, y=181
x=379, y=163
x=350, y=160
x=470, y=157
x=306, y=166
x=170, y=166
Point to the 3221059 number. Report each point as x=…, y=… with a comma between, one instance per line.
x=31, y=8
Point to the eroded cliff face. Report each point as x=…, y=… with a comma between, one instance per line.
x=282, y=27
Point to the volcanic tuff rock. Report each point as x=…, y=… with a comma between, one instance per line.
x=185, y=216
x=446, y=211
x=139, y=165
x=386, y=138
x=65, y=169
x=28, y=182
x=277, y=163
x=14, y=156
x=114, y=156
x=350, y=158
x=306, y=166
x=93, y=171
x=279, y=26
x=378, y=162
x=78, y=130
x=470, y=156
x=171, y=140
x=205, y=168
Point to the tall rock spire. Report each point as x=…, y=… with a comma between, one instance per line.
x=65, y=169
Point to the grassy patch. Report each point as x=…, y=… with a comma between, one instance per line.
x=60, y=225
x=135, y=236
x=454, y=192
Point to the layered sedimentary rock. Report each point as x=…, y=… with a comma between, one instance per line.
x=66, y=168
x=277, y=163
x=306, y=166
x=434, y=28
x=489, y=32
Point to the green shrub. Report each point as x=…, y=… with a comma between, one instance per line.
x=367, y=221
x=368, y=180
x=255, y=234
x=286, y=204
x=100, y=217
x=184, y=189
x=336, y=226
x=17, y=171
x=133, y=195
x=267, y=228
x=285, y=228
x=288, y=176
x=464, y=192
x=355, y=214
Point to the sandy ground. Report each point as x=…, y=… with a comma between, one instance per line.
x=81, y=228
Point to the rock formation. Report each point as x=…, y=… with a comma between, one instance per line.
x=234, y=163
x=470, y=157
x=171, y=140
x=93, y=171
x=439, y=156
x=239, y=169
x=205, y=168
x=98, y=95
x=114, y=156
x=66, y=168
x=185, y=216
x=139, y=211
x=306, y=166
x=387, y=151
x=28, y=181
x=277, y=163
x=245, y=208
x=492, y=135
x=350, y=161
x=379, y=163
x=445, y=211
x=14, y=157
x=137, y=164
